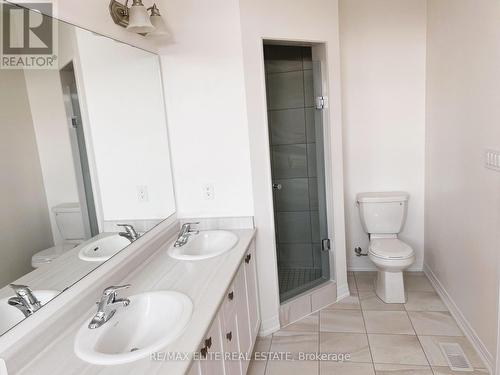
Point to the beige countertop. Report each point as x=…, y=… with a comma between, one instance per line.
x=204, y=281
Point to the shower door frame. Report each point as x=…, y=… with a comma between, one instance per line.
x=319, y=55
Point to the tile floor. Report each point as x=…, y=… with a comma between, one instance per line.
x=382, y=339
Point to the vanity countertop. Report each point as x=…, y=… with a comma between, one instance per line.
x=204, y=281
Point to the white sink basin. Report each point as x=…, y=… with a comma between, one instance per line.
x=10, y=315
x=206, y=244
x=149, y=323
x=103, y=247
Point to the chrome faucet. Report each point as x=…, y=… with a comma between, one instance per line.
x=184, y=234
x=130, y=232
x=24, y=300
x=108, y=304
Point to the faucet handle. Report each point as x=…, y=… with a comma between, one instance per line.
x=128, y=228
x=191, y=223
x=114, y=289
x=20, y=289
x=188, y=227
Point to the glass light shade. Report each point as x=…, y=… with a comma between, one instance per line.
x=138, y=20
x=159, y=25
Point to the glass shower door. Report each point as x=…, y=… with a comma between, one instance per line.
x=297, y=164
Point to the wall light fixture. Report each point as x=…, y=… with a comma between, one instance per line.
x=137, y=18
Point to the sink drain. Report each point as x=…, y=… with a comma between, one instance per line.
x=134, y=349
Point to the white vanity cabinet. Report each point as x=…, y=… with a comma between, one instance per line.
x=229, y=342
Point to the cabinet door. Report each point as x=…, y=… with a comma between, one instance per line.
x=252, y=292
x=244, y=331
x=230, y=344
x=211, y=349
x=194, y=369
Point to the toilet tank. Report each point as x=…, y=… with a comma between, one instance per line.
x=69, y=221
x=384, y=212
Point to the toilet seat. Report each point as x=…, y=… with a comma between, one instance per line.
x=48, y=255
x=390, y=248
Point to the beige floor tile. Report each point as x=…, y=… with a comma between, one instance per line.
x=435, y=355
x=348, y=303
x=447, y=371
x=295, y=342
x=309, y=323
x=417, y=281
x=341, y=321
x=424, y=301
x=434, y=323
x=389, y=369
x=346, y=368
x=397, y=349
x=292, y=367
x=257, y=368
x=351, y=281
x=391, y=322
x=370, y=301
x=354, y=344
x=263, y=343
x=365, y=280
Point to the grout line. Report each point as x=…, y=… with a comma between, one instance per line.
x=418, y=338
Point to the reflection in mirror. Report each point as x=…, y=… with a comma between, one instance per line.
x=85, y=165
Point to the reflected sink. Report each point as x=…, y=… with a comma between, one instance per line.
x=149, y=323
x=10, y=315
x=206, y=244
x=103, y=247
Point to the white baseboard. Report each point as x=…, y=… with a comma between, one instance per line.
x=343, y=291
x=368, y=268
x=464, y=324
x=269, y=326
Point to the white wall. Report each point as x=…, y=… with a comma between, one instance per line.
x=24, y=215
x=205, y=94
x=52, y=136
x=462, y=197
x=313, y=21
x=383, y=97
x=126, y=127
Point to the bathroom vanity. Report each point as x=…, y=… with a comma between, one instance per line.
x=225, y=316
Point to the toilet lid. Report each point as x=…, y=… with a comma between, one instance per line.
x=48, y=255
x=390, y=248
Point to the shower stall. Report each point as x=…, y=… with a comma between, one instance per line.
x=295, y=104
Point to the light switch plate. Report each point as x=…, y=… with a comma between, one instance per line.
x=492, y=160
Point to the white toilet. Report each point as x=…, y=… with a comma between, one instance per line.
x=383, y=216
x=69, y=221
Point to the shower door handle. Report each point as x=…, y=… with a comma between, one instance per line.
x=325, y=244
x=277, y=186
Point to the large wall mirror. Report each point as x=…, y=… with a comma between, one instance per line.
x=84, y=162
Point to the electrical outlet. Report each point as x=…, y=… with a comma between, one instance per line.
x=142, y=193
x=492, y=160
x=208, y=192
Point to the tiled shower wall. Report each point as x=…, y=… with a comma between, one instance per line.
x=290, y=98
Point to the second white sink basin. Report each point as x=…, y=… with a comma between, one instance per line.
x=103, y=247
x=10, y=315
x=206, y=244
x=149, y=323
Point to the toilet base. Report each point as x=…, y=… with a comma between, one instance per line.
x=390, y=287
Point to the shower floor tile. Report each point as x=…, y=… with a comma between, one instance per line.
x=293, y=278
